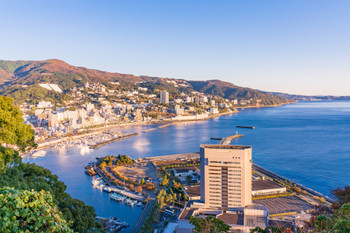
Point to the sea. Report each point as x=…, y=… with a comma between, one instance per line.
x=308, y=142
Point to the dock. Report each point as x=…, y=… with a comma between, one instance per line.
x=127, y=194
x=115, y=189
x=98, y=145
x=227, y=140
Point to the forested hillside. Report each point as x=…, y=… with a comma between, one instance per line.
x=20, y=79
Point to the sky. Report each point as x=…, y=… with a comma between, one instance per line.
x=296, y=47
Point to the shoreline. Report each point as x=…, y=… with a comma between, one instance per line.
x=266, y=172
x=96, y=131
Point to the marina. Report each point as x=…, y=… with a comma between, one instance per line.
x=272, y=125
x=119, y=195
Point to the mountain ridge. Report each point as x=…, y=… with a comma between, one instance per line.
x=21, y=76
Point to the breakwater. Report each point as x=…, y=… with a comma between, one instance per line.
x=227, y=140
x=98, y=145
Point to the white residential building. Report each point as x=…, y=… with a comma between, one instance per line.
x=164, y=97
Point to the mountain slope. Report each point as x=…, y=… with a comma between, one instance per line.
x=231, y=91
x=20, y=80
x=59, y=72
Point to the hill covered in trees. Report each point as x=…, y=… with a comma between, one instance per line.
x=21, y=79
x=32, y=199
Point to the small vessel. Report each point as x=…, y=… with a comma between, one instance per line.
x=116, y=197
x=127, y=201
x=97, y=181
x=132, y=203
x=139, y=204
x=247, y=127
x=40, y=153
x=106, y=189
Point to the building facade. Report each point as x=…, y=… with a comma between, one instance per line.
x=164, y=97
x=226, y=176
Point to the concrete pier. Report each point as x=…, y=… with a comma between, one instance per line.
x=227, y=140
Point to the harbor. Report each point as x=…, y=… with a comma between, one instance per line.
x=272, y=153
x=102, y=182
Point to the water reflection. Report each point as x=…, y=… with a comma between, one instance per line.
x=141, y=145
x=84, y=149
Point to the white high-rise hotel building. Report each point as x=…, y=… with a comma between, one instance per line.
x=164, y=97
x=226, y=176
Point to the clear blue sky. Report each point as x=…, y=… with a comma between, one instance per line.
x=295, y=46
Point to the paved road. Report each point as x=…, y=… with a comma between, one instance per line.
x=138, y=225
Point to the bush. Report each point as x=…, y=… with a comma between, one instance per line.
x=29, y=211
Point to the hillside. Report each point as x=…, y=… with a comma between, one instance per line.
x=310, y=98
x=20, y=80
x=231, y=91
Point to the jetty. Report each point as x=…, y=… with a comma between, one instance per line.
x=127, y=194
x=227, y=140
x=98, y=145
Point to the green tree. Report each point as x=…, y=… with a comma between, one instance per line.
x=12, y=129
x=29, y=211
x=338, y=222
x=165, y=181
x=208, y=225
x=25, y=176
x=342, y=195
x=13, y=133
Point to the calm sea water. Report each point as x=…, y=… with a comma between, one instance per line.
x=307, y=142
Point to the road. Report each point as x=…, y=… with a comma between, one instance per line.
x=138, y=225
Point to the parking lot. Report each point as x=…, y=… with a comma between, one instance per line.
x=284, y=204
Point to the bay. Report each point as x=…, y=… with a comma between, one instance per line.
x=308, y=142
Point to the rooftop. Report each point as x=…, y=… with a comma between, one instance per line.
x=181, y=170
x=228, y=218
x=193, y=191
x=264, y=184
x=225, y=147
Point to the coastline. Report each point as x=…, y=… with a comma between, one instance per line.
x=95, y=131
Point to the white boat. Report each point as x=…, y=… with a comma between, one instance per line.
x=127, y=201
x=139, y=204
x=40, y=153
x=96, y=181
x=116, y=197
x=132, y=203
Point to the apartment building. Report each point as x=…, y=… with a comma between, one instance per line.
x=164, y=97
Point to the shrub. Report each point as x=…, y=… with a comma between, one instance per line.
x=29, y=211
